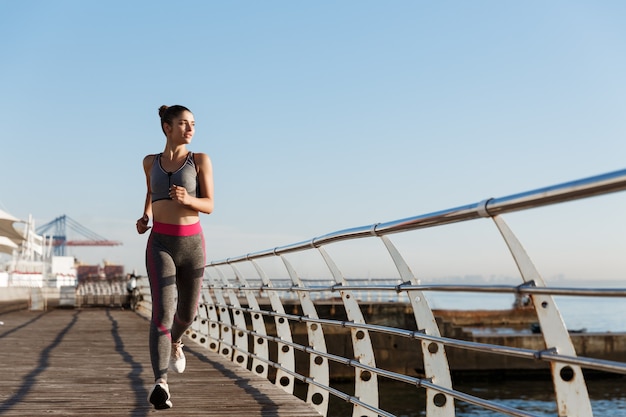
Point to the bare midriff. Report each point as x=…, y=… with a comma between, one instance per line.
x=171, y=212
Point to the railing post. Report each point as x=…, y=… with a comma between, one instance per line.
x=226, y=335
x=569, y=382
x=240, y=354
x=436, y=364
x=286, y=355
x=260, y=348
x=213, y=330
x=365, y=382
x=200, y=326
x=318, y=365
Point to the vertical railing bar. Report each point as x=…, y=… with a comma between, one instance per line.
x=211, y=308
x=240, y=341
x=224, y=318
x=365, y=383
x=318, y=365
x=569, y=381
x=260, y=346
x=201, y=328
x=433, y=353
x=286, y=356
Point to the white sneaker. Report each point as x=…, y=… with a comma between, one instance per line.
x=177, y=360
x=159, y=396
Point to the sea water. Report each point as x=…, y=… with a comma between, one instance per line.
x=607, y=396
x=593, y=314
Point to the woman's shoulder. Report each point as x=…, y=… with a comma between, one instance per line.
x=202, y=162
x=149, y=159
x=199, y=157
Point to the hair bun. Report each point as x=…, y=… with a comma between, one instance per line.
x=162, y=110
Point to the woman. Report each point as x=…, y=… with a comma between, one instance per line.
x=180, y=187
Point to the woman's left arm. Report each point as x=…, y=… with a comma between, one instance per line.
x=205, y=179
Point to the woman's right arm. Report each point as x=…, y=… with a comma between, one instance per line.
x=142, y=223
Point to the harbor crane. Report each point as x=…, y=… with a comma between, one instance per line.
x=57, y=228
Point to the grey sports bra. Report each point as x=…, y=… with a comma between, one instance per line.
x=185, y=176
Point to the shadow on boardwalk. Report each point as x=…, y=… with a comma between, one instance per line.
x=95, y=362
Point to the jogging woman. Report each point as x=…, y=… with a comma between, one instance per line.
x=180, y=187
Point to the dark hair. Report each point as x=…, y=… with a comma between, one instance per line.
x=168, y=113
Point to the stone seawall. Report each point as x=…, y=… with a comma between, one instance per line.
x=404, y=355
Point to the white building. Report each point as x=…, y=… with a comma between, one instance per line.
x=31, y=263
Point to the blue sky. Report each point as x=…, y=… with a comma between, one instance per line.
x=321, y=116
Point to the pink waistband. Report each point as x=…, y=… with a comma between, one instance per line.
x=177, y=229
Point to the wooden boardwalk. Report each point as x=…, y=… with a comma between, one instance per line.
x=95, y=362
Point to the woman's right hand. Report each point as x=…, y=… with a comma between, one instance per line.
x=142, y=224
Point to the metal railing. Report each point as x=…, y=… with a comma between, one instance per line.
x=101, y=293
x=298, y=332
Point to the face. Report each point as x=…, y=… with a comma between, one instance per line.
x=182, y=128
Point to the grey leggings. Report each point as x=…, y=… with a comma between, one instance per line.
x=175, y=259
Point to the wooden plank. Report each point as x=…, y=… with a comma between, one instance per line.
x=95, y=362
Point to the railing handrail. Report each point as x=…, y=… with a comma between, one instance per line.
x=478, y=288
x=573, y=190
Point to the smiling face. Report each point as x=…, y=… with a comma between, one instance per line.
x=181, y=129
